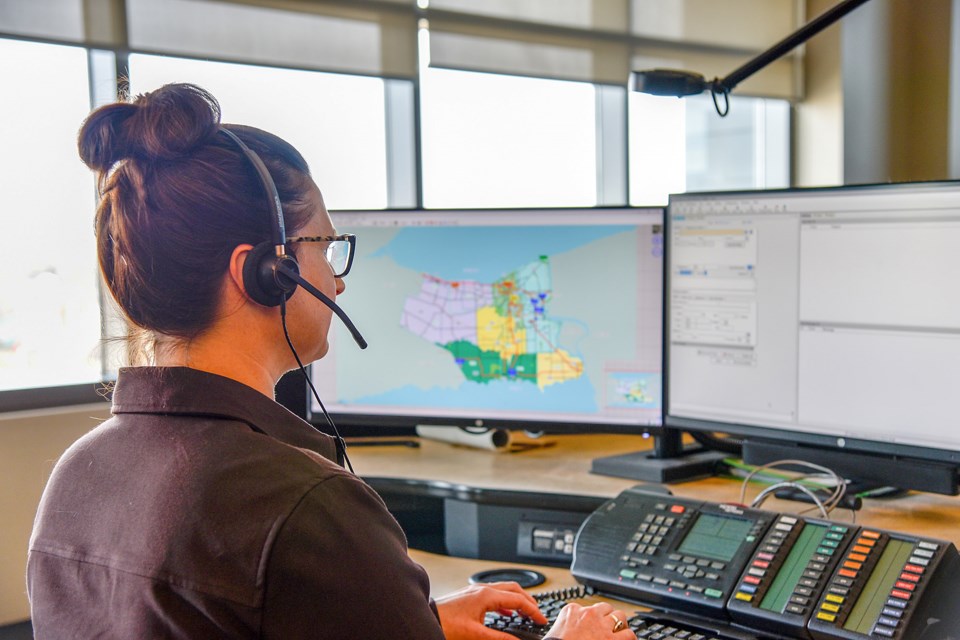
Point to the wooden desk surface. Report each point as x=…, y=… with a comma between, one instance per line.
x=565, y=468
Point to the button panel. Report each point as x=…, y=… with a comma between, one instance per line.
x=889, y=564
x=788, y=571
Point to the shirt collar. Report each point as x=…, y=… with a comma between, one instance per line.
x=186, y=391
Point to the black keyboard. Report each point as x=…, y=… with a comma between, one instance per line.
x=647, y=626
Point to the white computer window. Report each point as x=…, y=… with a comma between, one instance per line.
x=732, y=325
x=856, y=310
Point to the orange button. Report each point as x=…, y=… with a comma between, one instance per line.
x=856, y=566
x=859, y=549
x=846, y=573
x=871, y=534
x=865, y=542
x=859, y=557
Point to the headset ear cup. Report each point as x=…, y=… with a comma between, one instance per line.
x=260, y=278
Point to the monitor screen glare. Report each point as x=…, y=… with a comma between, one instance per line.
x=518, y=318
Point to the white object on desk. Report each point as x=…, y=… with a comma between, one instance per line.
x=492, y=439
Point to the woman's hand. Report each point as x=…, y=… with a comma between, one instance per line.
x=462, y=612
x=596, y=622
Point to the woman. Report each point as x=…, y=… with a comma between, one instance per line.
x=202, y=508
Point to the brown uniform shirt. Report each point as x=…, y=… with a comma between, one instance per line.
x=203, y=509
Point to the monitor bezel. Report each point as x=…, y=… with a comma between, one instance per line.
x=803, y=439
x=372, y=424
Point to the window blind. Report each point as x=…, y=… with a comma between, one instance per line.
x=601, y=41
x=55, y=19
x=327, y=36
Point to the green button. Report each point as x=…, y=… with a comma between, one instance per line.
x=825, y=552
x=839, y=529
x=630, y=574
x=830, y=543
x=751, y=538
x=713, y=593
x=834, y=536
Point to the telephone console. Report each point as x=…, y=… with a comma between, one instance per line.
x=772, y=574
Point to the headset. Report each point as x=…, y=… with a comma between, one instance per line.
x=271, y=276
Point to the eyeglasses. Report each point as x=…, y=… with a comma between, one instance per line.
x=339, y=253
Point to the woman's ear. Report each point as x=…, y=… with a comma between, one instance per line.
x=235, y=271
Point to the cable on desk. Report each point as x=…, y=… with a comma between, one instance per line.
x=805, y=483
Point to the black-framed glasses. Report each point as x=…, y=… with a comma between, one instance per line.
x=339, y=251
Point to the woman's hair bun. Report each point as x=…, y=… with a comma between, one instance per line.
x=164, y=124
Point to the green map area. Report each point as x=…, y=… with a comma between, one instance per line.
x=494, y=331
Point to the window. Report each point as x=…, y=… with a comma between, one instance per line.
x=501, y=141
x=336, y=121
x=683, y=145
x=49, y=312
x=520, y=109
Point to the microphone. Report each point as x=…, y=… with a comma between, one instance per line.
x=319, y=295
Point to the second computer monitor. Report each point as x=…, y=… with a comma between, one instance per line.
x=820, y=323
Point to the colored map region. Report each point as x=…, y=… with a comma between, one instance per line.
x=630, y=390
x=495, y=331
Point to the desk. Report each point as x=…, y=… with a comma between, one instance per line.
x=565, y=468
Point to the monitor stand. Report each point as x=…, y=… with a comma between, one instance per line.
x=669, y=461
x=868, y=469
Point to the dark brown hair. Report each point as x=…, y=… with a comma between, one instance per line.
x=176, y=199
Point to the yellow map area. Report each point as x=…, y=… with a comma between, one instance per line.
x=558, y=366
x=501, y=335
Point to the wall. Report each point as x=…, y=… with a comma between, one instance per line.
x=818, y=127
x=920, y=68
x=30, y=443
x=892, y=58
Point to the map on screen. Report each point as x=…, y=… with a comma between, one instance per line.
x=499, y=317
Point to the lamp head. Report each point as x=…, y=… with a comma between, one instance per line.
x=668, y=82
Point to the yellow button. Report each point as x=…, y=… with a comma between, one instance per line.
x=826, y=606
x=827, y=617
x=834, y=598
x=746, y=597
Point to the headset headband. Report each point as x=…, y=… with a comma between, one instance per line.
x=277, y=225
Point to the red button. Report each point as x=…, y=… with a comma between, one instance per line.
x=677, y=508
x=761, y=564
x=909, y=586
x=903, y=595
x=752, y=580
x=911, y=577
x=912, y=568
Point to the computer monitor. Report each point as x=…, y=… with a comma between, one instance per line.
x=543, y=320
x=820, y=324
